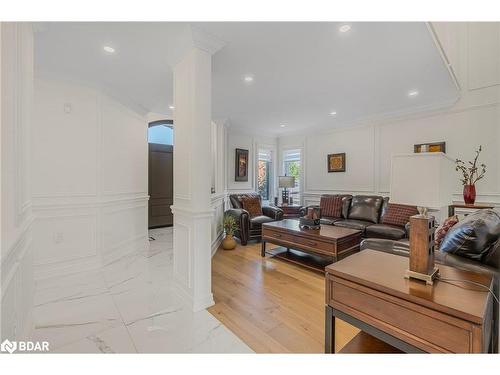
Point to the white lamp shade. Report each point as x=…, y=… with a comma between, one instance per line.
x=426, y=180
x=286, y=181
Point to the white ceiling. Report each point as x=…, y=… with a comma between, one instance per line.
x=302, y=71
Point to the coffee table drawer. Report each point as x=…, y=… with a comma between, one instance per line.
x=277, y=235
x=432, y=331
x=315, y=245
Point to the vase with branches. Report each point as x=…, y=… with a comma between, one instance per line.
x=471, y=172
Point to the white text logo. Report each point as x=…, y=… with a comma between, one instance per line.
x=24, y=346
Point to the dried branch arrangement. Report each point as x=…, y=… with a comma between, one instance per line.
x=470, y=170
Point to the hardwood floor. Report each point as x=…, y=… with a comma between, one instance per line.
x=272, y=305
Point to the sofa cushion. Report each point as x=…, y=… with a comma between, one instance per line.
x=331, y=205
x=390, y=232
x=329, y=220
x=257, y=221
x=474, y=236
x=365, y=208
x=346, y=205
x=398, y=214
x=353, y=224
x=443, y=229
x=252, y=205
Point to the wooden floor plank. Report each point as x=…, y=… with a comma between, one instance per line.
x=272, y=305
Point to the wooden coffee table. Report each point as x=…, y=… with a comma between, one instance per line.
x=311, y=248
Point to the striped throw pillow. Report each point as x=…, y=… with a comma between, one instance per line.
x=398, y=214
x=331, y=206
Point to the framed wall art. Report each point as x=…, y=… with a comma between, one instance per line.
x=336, y=162
x=241, y=165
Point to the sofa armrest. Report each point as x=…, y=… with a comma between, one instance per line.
x=239, y=214
x=275, y=213
x=242, y=218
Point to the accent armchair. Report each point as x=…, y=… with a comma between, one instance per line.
x=250, y=228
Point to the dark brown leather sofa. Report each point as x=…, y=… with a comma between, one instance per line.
x=487, y=260
x=251, y=228
x=364, y=213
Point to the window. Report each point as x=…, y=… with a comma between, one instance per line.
x=292, y=167
x=161, y=132
x=264, y=174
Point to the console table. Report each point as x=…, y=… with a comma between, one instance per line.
x=368, y=290
x=290, y=210
x=452, y=207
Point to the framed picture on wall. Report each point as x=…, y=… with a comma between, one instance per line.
x=336, y=162
x=241, y=165
x=430, y=147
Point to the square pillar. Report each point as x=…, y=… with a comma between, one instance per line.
x=192, y=178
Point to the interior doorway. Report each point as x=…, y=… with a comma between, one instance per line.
x=161, y=176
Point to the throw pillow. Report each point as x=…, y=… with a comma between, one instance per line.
x=252, y=205
x=331, y=206
x=474, y=236
x=398, y=214
x=443, y=229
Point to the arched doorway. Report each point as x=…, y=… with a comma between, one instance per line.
x=160, y=181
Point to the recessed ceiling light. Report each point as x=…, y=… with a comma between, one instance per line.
x=282, y=125
x=333, y=113
x=108, y=49
x=344, y=28
x=248, y=79
x=171, y=107
x=413, y=93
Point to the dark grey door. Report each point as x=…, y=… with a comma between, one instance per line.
x=161, y=185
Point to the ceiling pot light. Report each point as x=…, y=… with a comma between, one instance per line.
x=108, y=49
x=333, y=113
x=282, y=125
x=248, y=79
x=171, y=107
x=413, y=93
x=344, y=28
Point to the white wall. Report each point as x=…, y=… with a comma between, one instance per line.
x=473, y=121
x=89, y=178
x=252, y=144
x=218, y=198
x=16, y=253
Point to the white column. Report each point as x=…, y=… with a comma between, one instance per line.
x=192, y=177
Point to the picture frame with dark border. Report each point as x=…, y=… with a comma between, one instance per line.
x=241, y=165
x=336, y=162
x=430, y=147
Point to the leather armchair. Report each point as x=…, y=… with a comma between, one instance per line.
x=250, y=228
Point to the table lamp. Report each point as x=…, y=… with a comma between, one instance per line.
x=426, y=181
x=285, y=183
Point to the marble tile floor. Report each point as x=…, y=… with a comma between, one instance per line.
x=128, y=306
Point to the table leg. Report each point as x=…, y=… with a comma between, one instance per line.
x=329, y=330
x=263, y=249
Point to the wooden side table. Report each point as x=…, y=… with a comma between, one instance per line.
x=290, y=210
x=369, y=291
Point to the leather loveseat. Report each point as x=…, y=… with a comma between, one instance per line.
x=481, y=258
x=250, y=228
x=365, y=213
